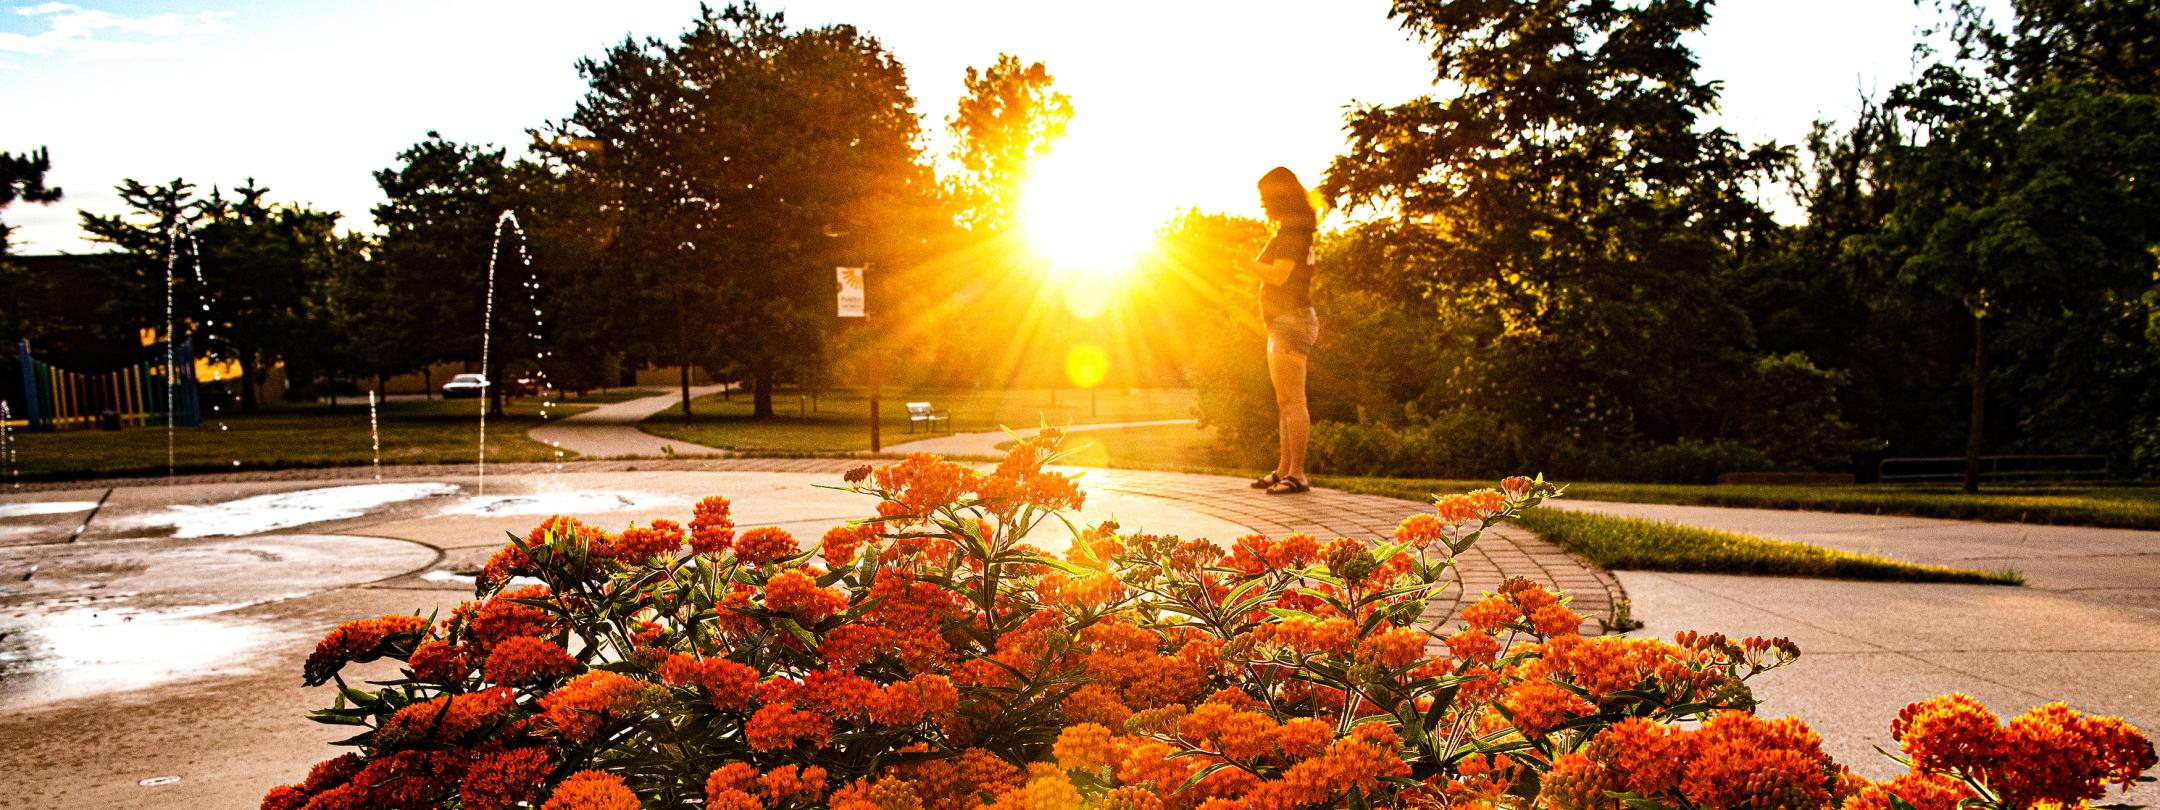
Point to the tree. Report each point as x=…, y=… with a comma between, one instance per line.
x=730, y=155
x=439, y=216
x=1009, y=119
x=1570, y=210
x=22, y=177
x=2023, y=195
x=242, y=268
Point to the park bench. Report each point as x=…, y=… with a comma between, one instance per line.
x=920, y=413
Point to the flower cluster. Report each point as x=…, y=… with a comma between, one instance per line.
x=931, y=658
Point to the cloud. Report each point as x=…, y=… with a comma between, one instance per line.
x=85, y=35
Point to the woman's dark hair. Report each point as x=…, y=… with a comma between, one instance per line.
x=1285, y=198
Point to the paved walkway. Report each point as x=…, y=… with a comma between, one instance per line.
x=610, y=431
x=2085, y=630
x=975, y=445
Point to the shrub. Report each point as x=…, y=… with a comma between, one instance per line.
x=931, y=658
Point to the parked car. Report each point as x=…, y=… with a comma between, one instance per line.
x=465, y=386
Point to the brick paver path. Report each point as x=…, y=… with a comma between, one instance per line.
x=1504, y=552
x=986, y=443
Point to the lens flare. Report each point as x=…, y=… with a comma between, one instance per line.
x=1086, y=365
x=1080, y=219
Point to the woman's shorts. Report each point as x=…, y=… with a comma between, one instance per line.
x=1294, y=332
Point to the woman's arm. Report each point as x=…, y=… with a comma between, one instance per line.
x=1275, y=272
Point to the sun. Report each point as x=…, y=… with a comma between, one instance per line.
x=1080, y=219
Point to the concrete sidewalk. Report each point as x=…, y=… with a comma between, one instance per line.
x=2085, y=630
x=2119, y=568
x=610, y=431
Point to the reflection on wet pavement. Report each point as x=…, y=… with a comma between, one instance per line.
x=284, y=510
x=8, y=510
x=125, y=614
x=555, y=503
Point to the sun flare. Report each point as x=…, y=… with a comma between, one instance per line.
x=1080, y=219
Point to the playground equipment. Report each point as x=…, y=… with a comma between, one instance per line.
x=55, y=398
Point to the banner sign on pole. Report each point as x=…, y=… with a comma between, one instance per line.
x=851, y=291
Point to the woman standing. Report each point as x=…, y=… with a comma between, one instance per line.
x=1285, y=268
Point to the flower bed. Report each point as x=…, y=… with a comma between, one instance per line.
x=931, y=658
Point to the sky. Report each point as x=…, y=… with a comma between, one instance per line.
x=1178, y=103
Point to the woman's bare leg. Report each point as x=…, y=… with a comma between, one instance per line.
x=1287, y=371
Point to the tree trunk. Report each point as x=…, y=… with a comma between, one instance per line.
x=427, y=381
x=686, y=393
x=1979, y=405
x=495, y=388
x=248, y=381
x=761, y=387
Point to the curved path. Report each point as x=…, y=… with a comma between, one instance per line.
x=972, y=445
x=2084, y=630
x=610, y=431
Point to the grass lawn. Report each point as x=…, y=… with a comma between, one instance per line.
x=841, y=422
x=1647, y=545
x=1182, y=447
x=2122, y=507
x=299, y=435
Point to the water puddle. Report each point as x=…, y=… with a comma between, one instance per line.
x=8, y=510
x=556, y=503
x=81, y=652
x=284, y=510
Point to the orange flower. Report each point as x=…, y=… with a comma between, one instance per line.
x=447, y=718
x=592, y=790
x=509, y=562
x=726, y=683
x=838, y=694
x=1304, y=737
x=1949, y=733
x=795, y=591
x=636, y=545
x=403, y=779
x=1556, y=620
x=851, y=645
x=1538, y=706
x=500, y=618
x=1919, y=791
x=781, y=725
x=579, y=708
x=764, y=544
x=1421, y=530
x=1394, y=648
x=1084, y=747
x=499, y=780
x=787, y=782
x=842, y=542
x=360, y=640
x=923, y=483
x=712, y=529
x=1474, y=646
x=1516, y=487
x=731, y=799
x=1489, y=613
x=732, y=776
x=2054, y=754
x=523, y=660
x=438, y=662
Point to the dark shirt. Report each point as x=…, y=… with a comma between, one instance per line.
x=1294, y=242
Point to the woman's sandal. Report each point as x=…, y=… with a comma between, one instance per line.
x=1265, y=481
x=1288, y=486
